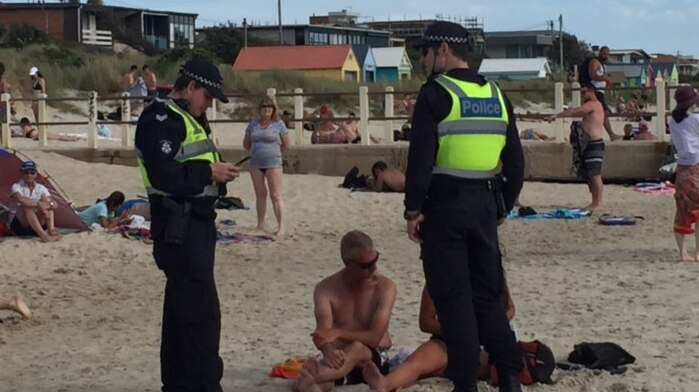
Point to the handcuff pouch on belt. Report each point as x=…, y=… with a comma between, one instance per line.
x=178, y=215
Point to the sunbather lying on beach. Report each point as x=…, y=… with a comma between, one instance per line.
x=430, y=359
x=386, y=179
x=102, y=212
x=30, y=132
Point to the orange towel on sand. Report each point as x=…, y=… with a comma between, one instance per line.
x=289, y=369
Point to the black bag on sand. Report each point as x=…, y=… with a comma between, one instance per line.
x=353, y=180
x=608, y=356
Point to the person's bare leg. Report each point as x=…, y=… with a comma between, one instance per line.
x=50, y=224
x=684, y=255
x=596, y=188
x=28, y=217
x=696, y=247
x=17, y=304
x=355, y=354
x=429, y=360
x=310, y=370
x=274, y=181
x=258, y=183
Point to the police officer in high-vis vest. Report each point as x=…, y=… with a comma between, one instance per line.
x=465, y=170
x=184, y=176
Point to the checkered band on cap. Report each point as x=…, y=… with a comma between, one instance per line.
x=444, y=38
x=201, y=79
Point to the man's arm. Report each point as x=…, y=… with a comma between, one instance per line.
x=379, y=325
x=428, y=314
x=377, y=184
x=423, y=148
x=580, y=111
x=323, y=313
x=595, y=65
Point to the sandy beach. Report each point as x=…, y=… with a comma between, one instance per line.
x=97, y=297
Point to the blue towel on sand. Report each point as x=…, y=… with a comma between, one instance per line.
x=561, y=213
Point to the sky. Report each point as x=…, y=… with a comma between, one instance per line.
x=656, y=26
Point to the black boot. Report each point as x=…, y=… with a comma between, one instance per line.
x=509, y=382
x=472, y=387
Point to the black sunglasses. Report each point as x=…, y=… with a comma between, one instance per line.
x=266, y=106
x=29, y=172
x=369, y=265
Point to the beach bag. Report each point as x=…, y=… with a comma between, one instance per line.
x=539, y=363
x=353, y=180
x=608, y=356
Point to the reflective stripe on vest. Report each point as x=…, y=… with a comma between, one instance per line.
x=473, y=134
x=195, y=146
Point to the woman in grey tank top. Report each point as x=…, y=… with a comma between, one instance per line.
x=266, y=137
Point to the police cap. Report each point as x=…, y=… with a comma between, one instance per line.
x=207, y=74
x=440, y=31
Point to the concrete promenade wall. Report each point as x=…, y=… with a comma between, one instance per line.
x=545, y=161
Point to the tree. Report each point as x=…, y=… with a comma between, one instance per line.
x=96, y=3
x=574, y=51
x=226, y=41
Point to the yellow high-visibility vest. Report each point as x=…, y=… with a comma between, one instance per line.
x=473, y=135
x=195, y=146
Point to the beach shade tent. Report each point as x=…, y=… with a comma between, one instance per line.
x=65, y=217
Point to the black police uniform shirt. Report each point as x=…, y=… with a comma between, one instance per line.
x=433, y=105
x=159, y=134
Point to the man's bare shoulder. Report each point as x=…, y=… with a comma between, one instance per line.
x=386, y=284
x=329, y=283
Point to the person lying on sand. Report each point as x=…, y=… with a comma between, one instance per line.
x=16, y=304
x=352, y=309
x=386, y=179
x=430, y=359
x=30, y=132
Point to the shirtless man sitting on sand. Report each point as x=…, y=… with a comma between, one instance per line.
x=16, y=304
x=352, y=309
x=430, y=359
x=592, y=156
x=386, y=179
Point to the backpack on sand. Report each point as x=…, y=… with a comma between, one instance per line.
x=539, y=363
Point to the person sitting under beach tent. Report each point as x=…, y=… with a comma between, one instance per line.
x=386, y=179
x=352, y=309
x=33, y=208
x=16, y=304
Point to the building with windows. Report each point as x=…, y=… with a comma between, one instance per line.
x=411, y=30
x=518, y=44
x=310, y=34
x=515, y=69
x=96, y=25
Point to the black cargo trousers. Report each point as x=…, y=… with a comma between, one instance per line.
x=191, y=329
x=463, y=270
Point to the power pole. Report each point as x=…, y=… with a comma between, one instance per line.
x=245, y=32
x=560, y=39
x=279, y=14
